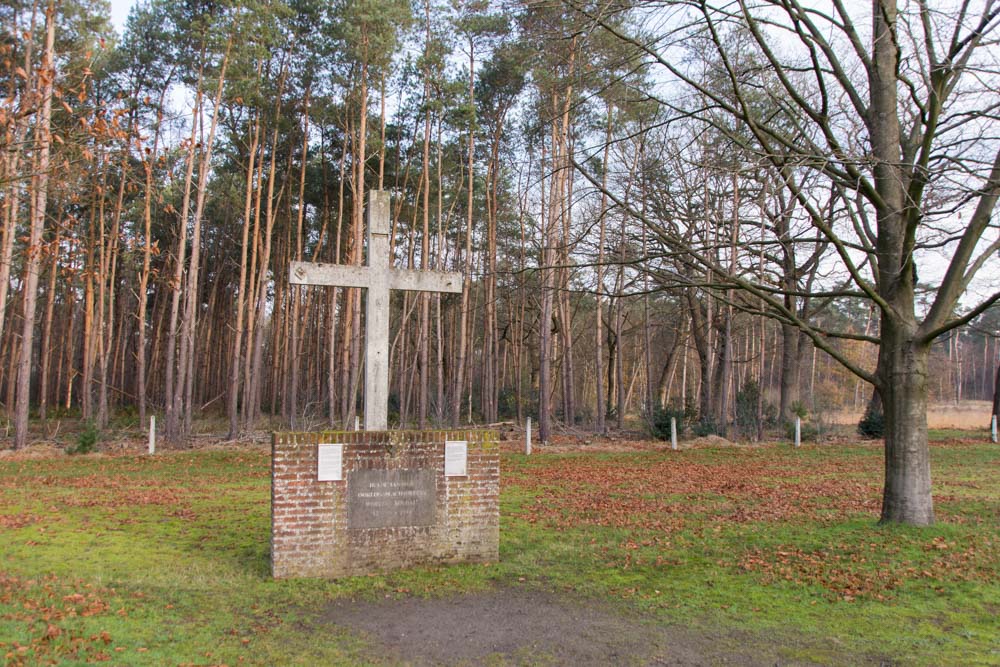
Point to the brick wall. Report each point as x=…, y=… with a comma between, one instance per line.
x=318, y=529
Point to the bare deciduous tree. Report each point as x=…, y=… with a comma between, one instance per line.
x=923, y=166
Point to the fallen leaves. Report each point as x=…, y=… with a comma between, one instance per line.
x=664, y=492
x=49, y=608
x=846, y=574
x=656, y=496
x=871, y=570
x=15, y=521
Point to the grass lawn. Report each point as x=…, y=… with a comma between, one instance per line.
x=164, y=560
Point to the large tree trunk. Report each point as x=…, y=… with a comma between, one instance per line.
x=790, y=339
x=545, y=317
x=723, y=372
x=902, y=367
x=11, y=204
x=423, y=337
x=334, y=320
x=996, y=394
x=174, y=372
x=147, y=254
x=242, y=302
x=357, y=228
x=46, y=346
x=296, y=293
x=463, y=325
x=601, y=408
x=252, y=287
x=442, y=349
x=903, y=376
x=700, y=334
x=46, y=76
x=185, y=385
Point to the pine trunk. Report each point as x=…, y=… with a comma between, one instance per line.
x=46, y=77
x=242, y=302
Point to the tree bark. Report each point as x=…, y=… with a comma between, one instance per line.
x=423, y=337
x=906, y=496
x=902, y=367
x=545, y=316
x=700, y=330
x=463, y=325
x=184, y=401
x=242, y=302
x=295, y=292
x=789, y=393
x=46, y=77
x=147, y=254
x=174, y=380
x=996, y=394
x=601, y=408
x=46, y=344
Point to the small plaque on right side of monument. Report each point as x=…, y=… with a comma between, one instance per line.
x=456, y=457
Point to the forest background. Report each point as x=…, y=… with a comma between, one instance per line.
x=156, y=185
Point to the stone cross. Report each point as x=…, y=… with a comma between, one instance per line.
x=378, y=278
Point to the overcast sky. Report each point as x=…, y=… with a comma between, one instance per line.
x=119, y=12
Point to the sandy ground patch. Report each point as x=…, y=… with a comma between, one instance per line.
x=521, y=626
x=964, y=415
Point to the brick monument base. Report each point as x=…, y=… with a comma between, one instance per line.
x=357, y=502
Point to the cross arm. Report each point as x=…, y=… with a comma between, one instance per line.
x=425, y=281
x=334, y=275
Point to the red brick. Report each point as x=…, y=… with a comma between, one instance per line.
x=310, y=536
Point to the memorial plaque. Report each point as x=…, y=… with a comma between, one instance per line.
x=456, y=457
x=391, y=498
x=329, y=463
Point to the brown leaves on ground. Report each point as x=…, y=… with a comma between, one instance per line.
x=659, y=495
x=126, y=481
x=15, y=521
x=108, y=490
x=49, y=608
x=872, y=570
x=663, y=493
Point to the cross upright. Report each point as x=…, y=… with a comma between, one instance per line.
x=378, y=277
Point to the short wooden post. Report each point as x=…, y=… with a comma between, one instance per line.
x=357, y=423
x=798, y=431
x=993, y=429
x=673, y=433
x=527, y=438
x=152, y=434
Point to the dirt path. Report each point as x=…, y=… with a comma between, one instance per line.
x=520, y=626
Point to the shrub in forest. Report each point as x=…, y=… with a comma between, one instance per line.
x=506, y=404
x=872, y=424
x=799, y=409
x=660, y=423
x=748, y=420
x=708, y=426
x=808, y=431
x=86, y=439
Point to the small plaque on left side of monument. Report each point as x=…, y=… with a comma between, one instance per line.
x=330, y=463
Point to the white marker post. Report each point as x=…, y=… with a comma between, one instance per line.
x=357, y=423
x=152, y=434
x=993, y=429
x=673, y=433
x=527, y=438
x=798, y=431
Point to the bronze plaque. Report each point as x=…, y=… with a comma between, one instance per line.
x=390, y=498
